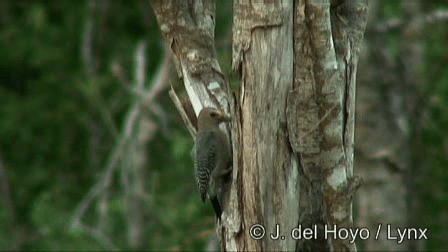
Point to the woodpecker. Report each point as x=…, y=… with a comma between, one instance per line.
x=211, y=156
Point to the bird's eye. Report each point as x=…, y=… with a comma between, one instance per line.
x=213, y=114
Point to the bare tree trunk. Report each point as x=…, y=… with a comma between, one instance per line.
x=293, y=118
x=413, y=89
x=327, y=46
x=268, y=171
x=135, y=159
x=129, y=153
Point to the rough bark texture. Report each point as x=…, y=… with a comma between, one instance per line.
x=327, y=42
x=268, y=172
x=293, y=118
x=188, y=27
x=387, y=110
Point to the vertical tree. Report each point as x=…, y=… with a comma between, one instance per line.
x=293, y=117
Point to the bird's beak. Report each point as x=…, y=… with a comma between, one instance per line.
x=226, y=118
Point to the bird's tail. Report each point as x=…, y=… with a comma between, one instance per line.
x=216, y=207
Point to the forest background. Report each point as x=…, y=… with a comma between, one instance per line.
x=93, y=155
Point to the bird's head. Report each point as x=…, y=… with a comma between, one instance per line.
x=211, y=117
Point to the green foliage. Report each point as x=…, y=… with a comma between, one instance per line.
x=432, y=184
x=429, y=136
x=59, y=124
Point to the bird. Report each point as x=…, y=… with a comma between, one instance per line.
x=211, y=156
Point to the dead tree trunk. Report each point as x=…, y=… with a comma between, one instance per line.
x=327, y=43
x=267, y=174
x=292, y=119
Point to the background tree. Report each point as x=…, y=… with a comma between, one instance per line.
x=394, y=103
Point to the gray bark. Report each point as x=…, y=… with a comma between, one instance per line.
x=327, y=43
x=293, y=118
x=268, y=170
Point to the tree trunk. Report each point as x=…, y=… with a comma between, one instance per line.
x=327, y=41
x=292, y=120
x=267, y=175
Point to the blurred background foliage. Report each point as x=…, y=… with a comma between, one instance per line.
x=432, y=185
x=61, y=116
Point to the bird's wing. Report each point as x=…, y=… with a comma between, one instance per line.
x=205, y=161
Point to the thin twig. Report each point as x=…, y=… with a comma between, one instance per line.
x=160, y=80
x=182, y=113
x=87, y=38
x=140, y=67
x=157, y=85
x=395, y=23
x=99, y=236
x=113, y=159
x=132, y=119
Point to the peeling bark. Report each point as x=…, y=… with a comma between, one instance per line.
x=327, y=40
x=268, y=173
x=188, y=27
x=293, y=119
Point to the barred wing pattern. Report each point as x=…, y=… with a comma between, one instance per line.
x=206, y=160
